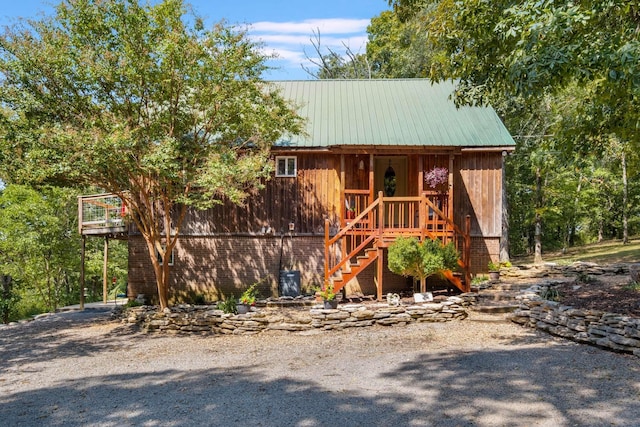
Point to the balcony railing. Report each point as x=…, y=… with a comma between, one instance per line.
x=101, y=213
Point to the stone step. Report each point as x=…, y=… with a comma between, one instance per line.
x=507, y=286
x=488, y=295
x=495, y=307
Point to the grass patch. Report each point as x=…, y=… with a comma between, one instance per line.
x=633, y=286
x=608, y=252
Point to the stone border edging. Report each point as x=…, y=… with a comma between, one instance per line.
x=607, y=330
x=208, y=319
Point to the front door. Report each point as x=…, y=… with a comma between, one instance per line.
x=390, y=176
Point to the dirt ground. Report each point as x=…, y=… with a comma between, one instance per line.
x=612, y=293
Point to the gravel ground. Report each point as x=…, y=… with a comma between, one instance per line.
x=79, y=368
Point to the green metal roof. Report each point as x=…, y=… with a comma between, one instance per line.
x=402, y=112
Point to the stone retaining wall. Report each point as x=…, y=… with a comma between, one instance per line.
x=608, y=330
x=208, y=319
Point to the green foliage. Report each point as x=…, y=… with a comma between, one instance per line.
x=408, y=257
x=564, y=77
x=8, y=298
x=633, y=286
x=550, y=293
x=327, y=292
x=40, y=249
x=229, y=305
x=249, y=295
x=480, y=278
x=496, y=266
x=584, y=277
x=143, y=101
x=132, y=303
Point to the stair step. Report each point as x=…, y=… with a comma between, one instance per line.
x=495, y=307
x=497, y=295
x=509, y=286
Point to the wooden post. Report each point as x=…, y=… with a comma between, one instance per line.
x=380, y=265
x=104, y=269
x=371, y=179
x=326, y=251
x=343, y=174
x=467, y=252
x=80, y=219
x=343, y=210
x=82, y=281
x=380, y=261
x=450, y=187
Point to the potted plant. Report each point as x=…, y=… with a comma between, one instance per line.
x=350, y=211
x=494, y=269
x=328, y=296
x=247, y=299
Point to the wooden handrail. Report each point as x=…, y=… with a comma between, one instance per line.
x=353, y=222
x=371, y=223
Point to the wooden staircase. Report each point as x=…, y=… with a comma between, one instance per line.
x=364, y=237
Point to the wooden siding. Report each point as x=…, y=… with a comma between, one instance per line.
x=314, y=194
x=478, y=192
x=306, y=200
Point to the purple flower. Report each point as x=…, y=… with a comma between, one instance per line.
x=436, y=177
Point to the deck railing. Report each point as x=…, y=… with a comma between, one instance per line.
x=100, y=211
x=387, y=218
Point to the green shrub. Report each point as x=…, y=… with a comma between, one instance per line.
x=550, y=294
x=408, y=257
x=229, y=305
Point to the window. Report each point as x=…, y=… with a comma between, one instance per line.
x=171, y=257
x=286, y=166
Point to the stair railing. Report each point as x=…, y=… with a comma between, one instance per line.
x=389, y=217
x=360, y=229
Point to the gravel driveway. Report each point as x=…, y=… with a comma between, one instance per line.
x=79, y=368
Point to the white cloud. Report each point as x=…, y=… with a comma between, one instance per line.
x=327, y=26
x=290, y=40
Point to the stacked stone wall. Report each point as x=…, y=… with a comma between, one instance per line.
x=603, y=329
x=208, y=319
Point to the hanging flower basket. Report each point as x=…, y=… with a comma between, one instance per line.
x=436, y=177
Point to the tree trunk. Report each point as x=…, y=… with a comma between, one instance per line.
x=625, y=200
x=160, y=262
x=537, y=237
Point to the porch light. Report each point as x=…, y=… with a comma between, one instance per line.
x=361, y=165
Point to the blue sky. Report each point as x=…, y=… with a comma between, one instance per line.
x=285, y=26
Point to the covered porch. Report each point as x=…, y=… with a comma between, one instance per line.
x=384, y=196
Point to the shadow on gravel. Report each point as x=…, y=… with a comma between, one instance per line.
x=50, y=337
x=482, y=388
x=556, y=385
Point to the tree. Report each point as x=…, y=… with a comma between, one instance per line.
x=334, y=65
x=37, y=245
x=410, y=257
x=144, y=102
x=398, y=48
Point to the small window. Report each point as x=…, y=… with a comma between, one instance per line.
x=286, y=166
x=171, y=258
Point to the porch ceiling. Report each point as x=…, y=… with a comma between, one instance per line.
x=388, y=113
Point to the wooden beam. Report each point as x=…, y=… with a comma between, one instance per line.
x=82, y=280
x=343, y=174
x=105, y=269
x=380, y=265
x=451, y=186
x=371, y=178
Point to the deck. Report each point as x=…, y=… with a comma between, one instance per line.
x=102, y=215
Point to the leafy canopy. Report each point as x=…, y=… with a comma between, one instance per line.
x=143, y=101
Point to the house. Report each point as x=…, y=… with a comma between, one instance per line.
x=345, y=190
